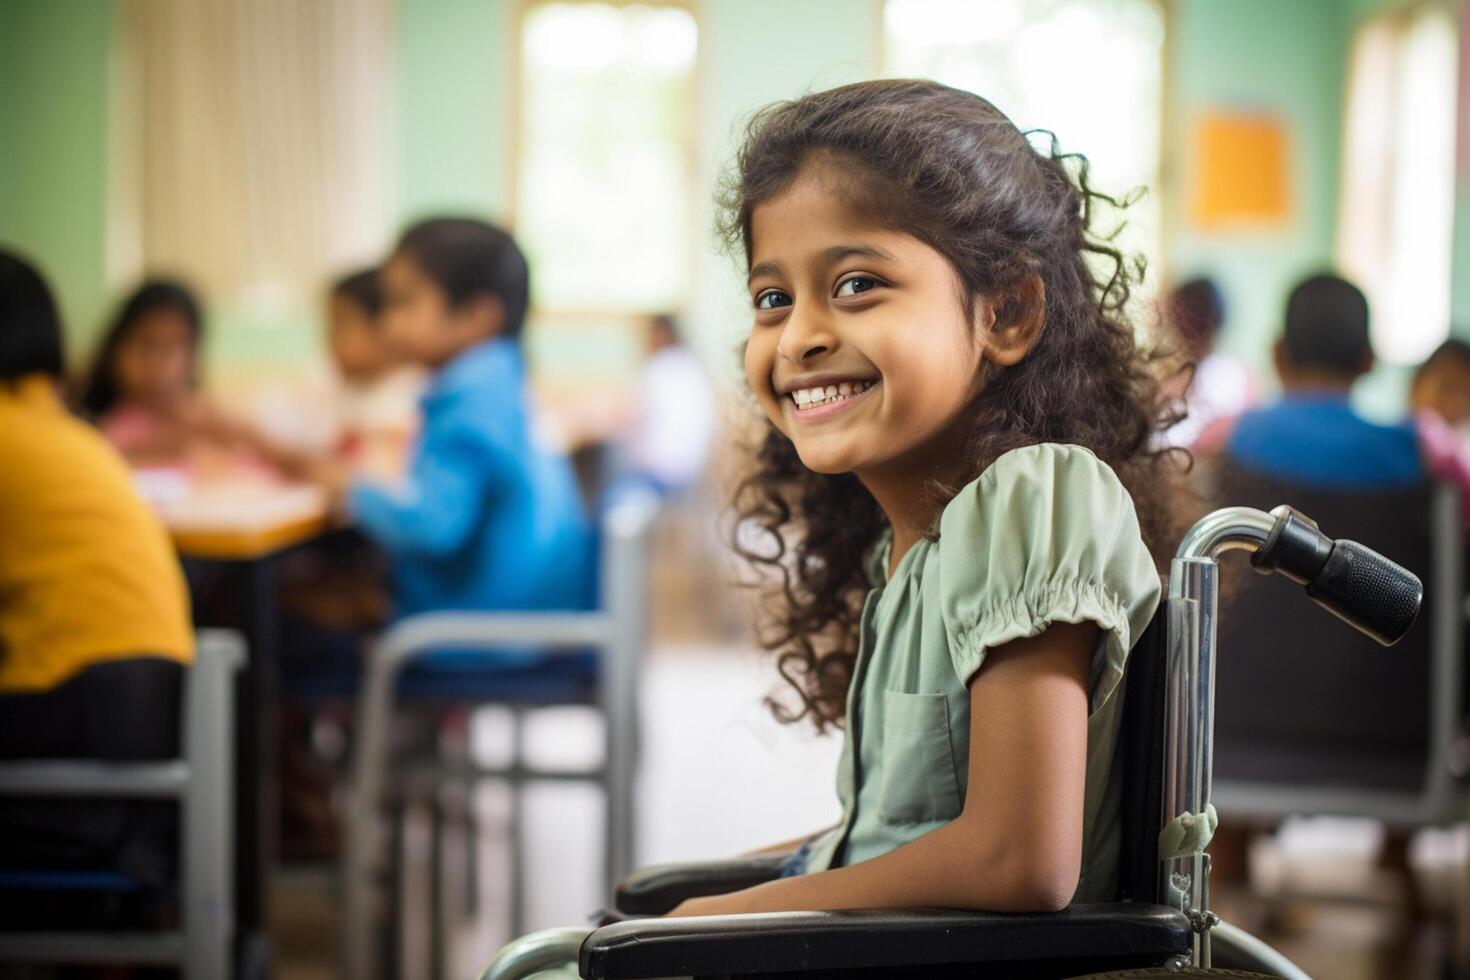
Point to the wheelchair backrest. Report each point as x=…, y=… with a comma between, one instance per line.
x=1141, y=752
x=1302, y=701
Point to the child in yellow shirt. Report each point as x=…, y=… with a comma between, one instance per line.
x=94, y=613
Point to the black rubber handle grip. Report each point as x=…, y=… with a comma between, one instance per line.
x=1367, y=591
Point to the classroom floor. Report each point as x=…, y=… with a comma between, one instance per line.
x=720, y=776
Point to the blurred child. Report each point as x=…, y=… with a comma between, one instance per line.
x=143, y=389
x=484, y=518
x=671, y=441
x=1218, y=386
x=1439, y=397
x=94, y=615
x=1312, y=435
x=378, y=401
x=1441, y=386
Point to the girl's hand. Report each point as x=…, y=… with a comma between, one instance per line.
x=732, y=904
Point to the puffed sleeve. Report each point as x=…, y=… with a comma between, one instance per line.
x=1047, y=534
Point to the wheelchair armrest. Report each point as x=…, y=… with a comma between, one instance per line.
x=657, y=889
x=1095, y=937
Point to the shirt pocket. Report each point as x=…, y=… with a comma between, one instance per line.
x=918, y=783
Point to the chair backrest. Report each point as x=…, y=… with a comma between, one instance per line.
x=1141, y=752
x=1306, y=705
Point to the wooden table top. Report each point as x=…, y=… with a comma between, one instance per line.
x=242, y=521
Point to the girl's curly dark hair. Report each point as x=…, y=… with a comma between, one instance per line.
x=949, y=168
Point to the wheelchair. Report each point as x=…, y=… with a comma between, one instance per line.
x=1159, y=924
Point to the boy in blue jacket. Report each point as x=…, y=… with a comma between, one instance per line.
x=485, y=519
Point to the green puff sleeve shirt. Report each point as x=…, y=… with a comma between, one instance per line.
x=1046, y=534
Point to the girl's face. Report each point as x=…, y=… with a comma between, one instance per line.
x=356, y=342
x=154, y=364
x=1444, y=390
x=863, y=352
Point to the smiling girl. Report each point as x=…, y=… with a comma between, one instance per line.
x=958, y=493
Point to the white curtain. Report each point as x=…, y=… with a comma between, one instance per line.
x=254, y=145
x=1396, y=214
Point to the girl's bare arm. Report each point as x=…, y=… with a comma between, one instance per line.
x=1017, y=845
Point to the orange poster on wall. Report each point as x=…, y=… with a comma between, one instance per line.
x=1240, y=171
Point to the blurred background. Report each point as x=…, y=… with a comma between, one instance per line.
x=259, y=150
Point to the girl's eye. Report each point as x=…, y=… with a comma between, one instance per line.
x=772, y=299
x=853, y=285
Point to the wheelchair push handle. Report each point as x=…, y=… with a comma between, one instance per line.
x=1370, y=593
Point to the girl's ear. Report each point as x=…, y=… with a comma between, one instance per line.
x=1013, y=321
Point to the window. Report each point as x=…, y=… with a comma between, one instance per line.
x=605, y=155
x=1397, y=204
x=1088, y=70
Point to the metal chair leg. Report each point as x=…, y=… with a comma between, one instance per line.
x=436, y=884
x=208, y=887
x=471, y=840
x=363, y=850
x=517, y=885
x=392, y=932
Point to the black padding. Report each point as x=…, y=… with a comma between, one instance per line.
x=1302, y=700
x=656, y=890
x=1368, y=591
x=1140, y=752
x=890, y=942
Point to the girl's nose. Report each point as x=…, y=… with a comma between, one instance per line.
x=805, y=338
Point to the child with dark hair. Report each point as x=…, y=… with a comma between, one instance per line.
x=485, y=518
x=1441, y=386
x=1214, y=386
x=1439, y=397
x=1312, y=434
x=94, y=615
x=377, y=404
x=143, y=390
x=956, y=495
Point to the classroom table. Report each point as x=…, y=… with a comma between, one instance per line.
x=246, y=528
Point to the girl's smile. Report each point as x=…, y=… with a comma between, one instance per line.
x=811, y=400
x=863, y=351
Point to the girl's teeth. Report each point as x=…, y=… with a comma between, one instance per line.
x=811, y=397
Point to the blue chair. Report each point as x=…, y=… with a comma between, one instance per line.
x=583, y=658
x=202, y=781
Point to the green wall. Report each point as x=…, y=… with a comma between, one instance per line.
x=1285, y=60
x=746, y=64
x=54, y=64
x=454, y=112
x=1460, y=263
